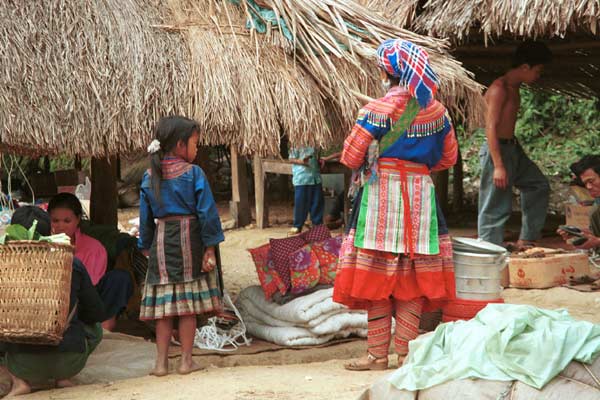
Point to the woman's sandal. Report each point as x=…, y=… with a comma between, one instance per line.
x=369, y=363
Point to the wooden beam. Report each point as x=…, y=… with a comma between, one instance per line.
x=239, y=206
x=262, y=209
x=274, y=166
x=103, y=202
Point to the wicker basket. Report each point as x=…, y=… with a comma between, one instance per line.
x=35, y=287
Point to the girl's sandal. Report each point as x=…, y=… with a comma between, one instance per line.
x=369, y=363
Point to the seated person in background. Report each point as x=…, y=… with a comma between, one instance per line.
x=29, y=364
x=587, y=170
x=115, y=287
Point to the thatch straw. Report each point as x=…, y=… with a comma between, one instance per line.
x=524, y=18
x=246, y=91
x=87, y=78
x=300, y=90
x=400, y=13
x=485, y=33
x=91, y=78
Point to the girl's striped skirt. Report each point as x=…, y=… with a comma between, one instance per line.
x=175, y=285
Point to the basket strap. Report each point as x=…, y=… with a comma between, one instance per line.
x=71, y=315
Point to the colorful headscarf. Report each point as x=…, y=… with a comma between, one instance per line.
x=409, y=62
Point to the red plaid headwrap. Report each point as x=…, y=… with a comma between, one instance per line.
x=409, y=62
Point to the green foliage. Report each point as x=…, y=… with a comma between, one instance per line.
x=554, y=130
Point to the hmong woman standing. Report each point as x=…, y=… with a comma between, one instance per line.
x=396, y=259
x=182, y=280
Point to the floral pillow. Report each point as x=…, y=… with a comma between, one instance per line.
x=281, y=250
x=304, y=269
x=327, y=253
x=317, y=233
x=267, y=276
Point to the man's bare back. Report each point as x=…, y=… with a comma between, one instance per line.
x=505, y=101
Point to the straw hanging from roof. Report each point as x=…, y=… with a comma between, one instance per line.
x=87, y=78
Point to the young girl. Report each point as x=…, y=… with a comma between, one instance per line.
x=181, y=281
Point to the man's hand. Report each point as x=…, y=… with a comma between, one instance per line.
x=500, y=177
x=591, y=243
x=209, y=261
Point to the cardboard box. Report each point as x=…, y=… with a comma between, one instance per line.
x=552, y=270
x=578, y=215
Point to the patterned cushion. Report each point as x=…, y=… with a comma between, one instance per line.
x=281, y=250
x=304, y=270
x=269, y=278
x=327, y=253
x=316, y=234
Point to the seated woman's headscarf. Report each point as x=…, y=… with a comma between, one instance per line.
x=410, y=63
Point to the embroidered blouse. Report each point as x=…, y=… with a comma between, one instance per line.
x=430, y=140
x=184, y=190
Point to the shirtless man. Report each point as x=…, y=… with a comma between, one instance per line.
x=504, y=164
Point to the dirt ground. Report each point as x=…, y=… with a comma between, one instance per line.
x=287, y=374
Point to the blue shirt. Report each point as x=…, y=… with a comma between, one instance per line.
x=305, y=175
x=183, y=192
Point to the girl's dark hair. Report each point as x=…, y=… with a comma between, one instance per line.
x=169, y=131
x=66, y=200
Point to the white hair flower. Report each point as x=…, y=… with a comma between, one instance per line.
x=154, y=146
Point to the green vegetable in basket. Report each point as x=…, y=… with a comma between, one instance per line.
x=19, y=232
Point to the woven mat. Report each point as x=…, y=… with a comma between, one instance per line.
x=257, y=346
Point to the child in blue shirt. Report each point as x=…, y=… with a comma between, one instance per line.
x=182, y=281
x=308, y=190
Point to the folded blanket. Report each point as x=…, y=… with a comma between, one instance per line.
x=289, y=324
x=294, y=336
x=503, y=342
x=298, y=311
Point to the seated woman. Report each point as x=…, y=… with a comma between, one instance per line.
x=29, y=364
x=115, y=287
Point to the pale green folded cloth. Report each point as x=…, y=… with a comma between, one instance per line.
x=503, y=342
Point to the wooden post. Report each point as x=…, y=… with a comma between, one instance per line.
x=203, y=160
x=77, y=163
x=103, y=202
x=262, y=210
x=239, y=206
x=458, y=191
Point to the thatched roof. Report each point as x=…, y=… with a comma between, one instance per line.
x=87, y=78
x=91, y=78
x=486, y=32
x=306, y=85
